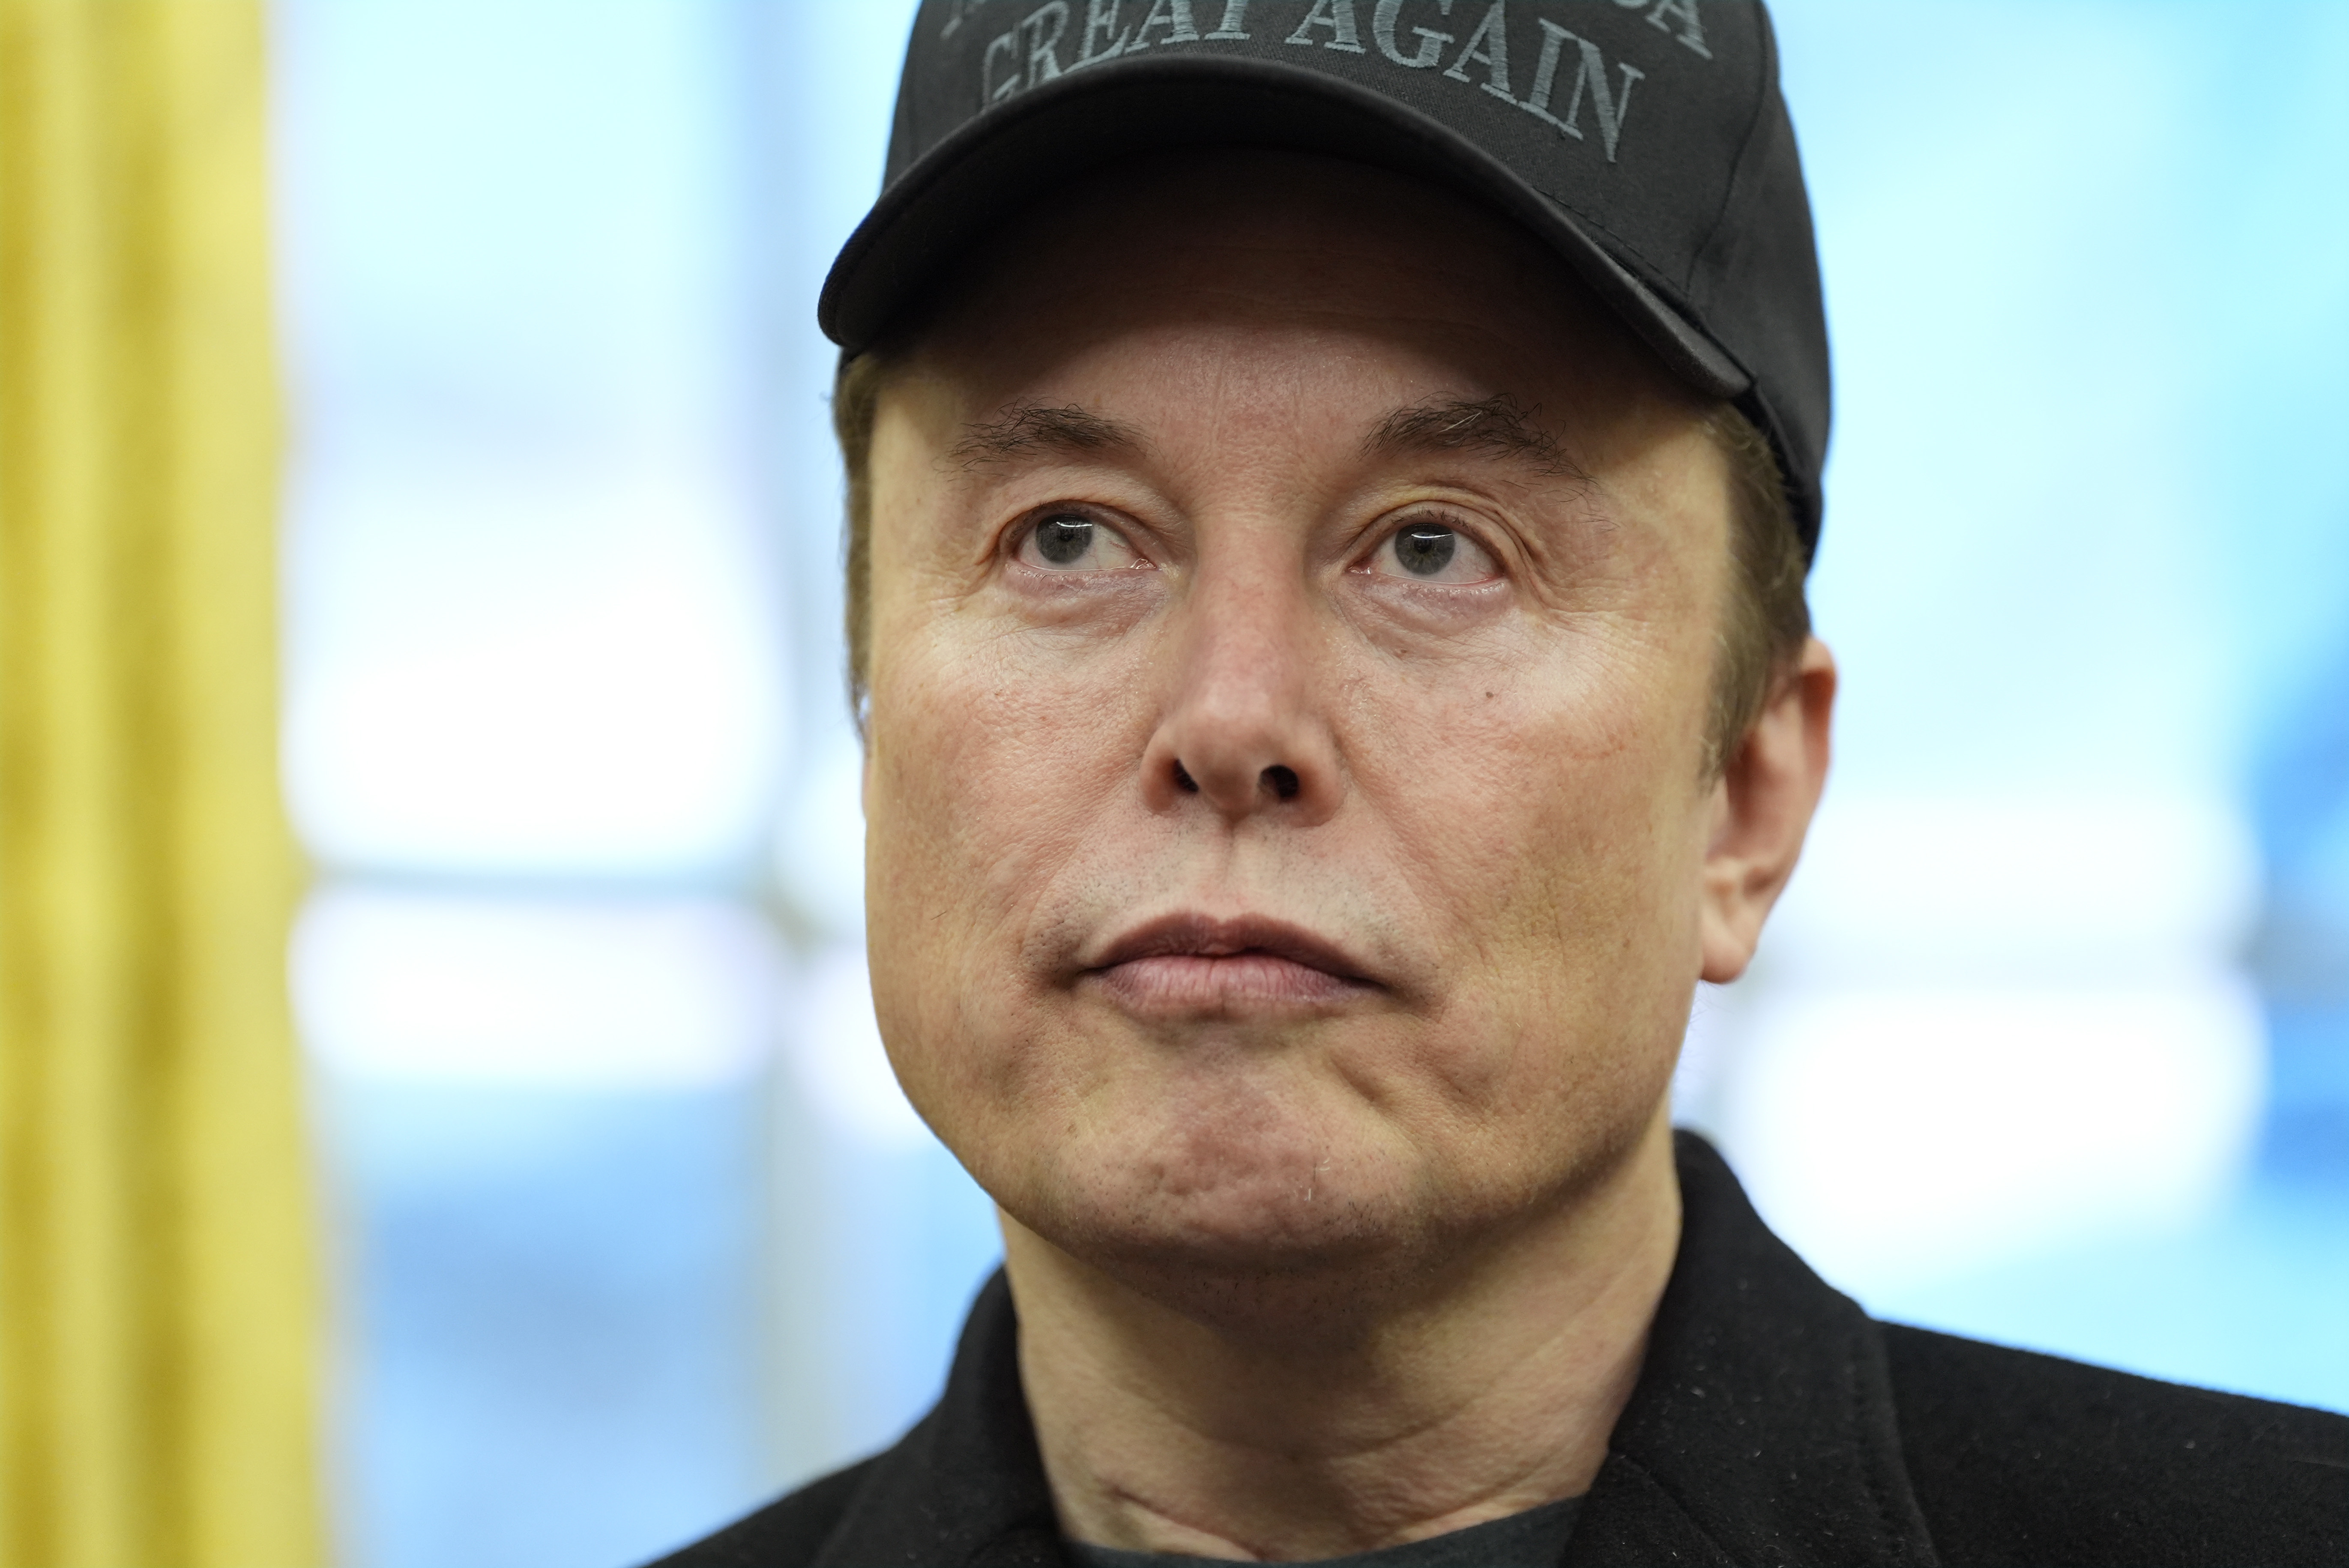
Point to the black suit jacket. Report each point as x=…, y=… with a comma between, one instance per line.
x=1773, y=1423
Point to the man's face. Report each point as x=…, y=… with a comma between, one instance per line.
x=1293, y=611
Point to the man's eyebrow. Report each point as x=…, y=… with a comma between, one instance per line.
x=1497, y=426
x=1033, y=430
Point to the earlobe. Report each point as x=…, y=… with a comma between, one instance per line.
x=1762, y=809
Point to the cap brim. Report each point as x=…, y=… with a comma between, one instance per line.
x=1021, y=150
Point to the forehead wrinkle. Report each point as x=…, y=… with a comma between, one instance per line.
x=1036, y=431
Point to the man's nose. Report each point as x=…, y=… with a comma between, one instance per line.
x=1243, y=730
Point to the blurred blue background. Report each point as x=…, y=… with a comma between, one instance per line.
x=631, y=1226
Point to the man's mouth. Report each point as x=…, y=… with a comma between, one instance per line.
x=1197, y=964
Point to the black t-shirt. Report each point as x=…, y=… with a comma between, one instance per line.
x=1534, y=1539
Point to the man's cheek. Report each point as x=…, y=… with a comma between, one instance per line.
x=1022, y=791
x=995, y=779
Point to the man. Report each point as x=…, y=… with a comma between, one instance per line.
x=1330, y=487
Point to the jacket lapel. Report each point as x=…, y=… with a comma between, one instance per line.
x=1762, y=1430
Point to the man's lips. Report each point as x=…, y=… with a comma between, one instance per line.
x=1193, y=963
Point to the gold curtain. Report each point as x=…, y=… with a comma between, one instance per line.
x=157, y=1299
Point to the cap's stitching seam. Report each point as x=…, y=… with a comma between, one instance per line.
x=1720, y=234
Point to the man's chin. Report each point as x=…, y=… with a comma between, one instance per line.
x=1257, y=1245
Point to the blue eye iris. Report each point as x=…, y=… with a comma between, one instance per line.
x=1424, y=552
x=1063, y=541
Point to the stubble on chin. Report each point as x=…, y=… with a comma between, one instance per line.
x=1246, y=1215
x=1236, y=1210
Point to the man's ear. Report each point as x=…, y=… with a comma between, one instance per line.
x=1762, y=808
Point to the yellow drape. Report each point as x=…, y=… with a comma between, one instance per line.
x=157, y=1324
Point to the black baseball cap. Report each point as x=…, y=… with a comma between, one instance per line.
x=1644, y=141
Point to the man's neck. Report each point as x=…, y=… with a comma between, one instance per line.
x=1494, y=1393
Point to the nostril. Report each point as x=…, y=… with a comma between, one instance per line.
x=1184, y=781
x=1283, y=781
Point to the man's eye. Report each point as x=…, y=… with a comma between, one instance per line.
x=1064, y=541
x=1072, y=541
x=1430, y=552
